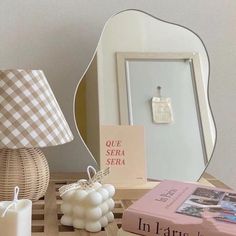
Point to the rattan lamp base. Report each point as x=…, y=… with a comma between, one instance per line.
x=26, y=168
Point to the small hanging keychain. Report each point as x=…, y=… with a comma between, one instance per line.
x=161, y=109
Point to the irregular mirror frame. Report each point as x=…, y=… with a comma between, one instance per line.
x=97, y=94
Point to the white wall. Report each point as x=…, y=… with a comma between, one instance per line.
x=60, y=37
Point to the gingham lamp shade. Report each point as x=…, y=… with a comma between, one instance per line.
x=29, y=113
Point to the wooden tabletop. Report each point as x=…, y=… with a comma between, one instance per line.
x=47, y=214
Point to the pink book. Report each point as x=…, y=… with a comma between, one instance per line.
x=182, y=209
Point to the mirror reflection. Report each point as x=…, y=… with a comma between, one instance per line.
x=149, y=72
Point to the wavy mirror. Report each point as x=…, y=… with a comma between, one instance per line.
x=149, y=72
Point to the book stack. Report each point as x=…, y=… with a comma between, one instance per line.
x=182, y=209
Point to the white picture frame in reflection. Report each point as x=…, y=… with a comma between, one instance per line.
x=188, y=141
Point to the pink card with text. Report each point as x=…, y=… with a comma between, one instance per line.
x=122, y=149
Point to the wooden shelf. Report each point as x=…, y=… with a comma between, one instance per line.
x=46, y=212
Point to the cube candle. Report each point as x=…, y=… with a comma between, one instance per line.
x=89, y=209
x=88, y=204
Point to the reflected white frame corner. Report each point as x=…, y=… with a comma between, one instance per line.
x=202, y=105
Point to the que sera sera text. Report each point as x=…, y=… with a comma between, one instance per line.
x=115, y=153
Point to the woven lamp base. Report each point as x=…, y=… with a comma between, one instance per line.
x=26, y=168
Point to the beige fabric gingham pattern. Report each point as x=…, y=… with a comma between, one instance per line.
x=29, y=113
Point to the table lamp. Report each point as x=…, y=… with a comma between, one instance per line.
x=30, y=118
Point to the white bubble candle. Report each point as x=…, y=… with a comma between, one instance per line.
x=88, y=204
x=15, y=216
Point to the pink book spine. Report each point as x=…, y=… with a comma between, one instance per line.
x=143, y=224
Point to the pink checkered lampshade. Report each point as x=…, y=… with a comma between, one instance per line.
x=29, y=113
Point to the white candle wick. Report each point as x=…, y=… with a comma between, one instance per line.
x=16, y=193
x=13, y=203
x=88, y=172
